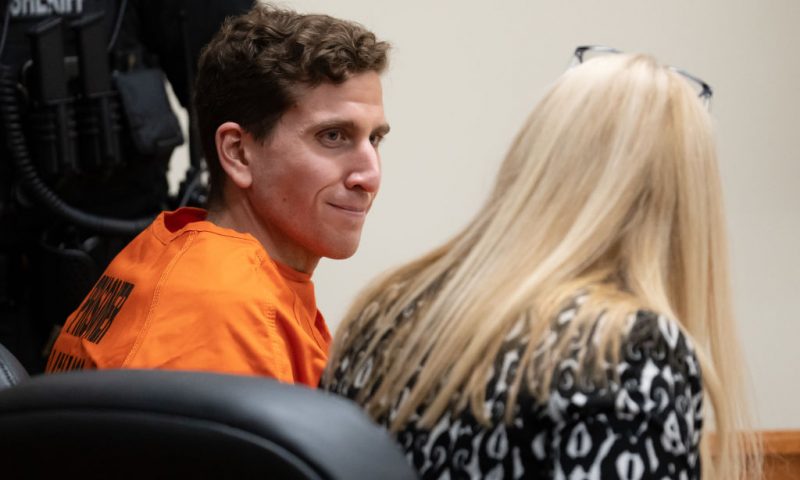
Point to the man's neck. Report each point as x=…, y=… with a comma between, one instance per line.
x=279, y=248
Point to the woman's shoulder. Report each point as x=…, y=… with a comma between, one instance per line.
x=649, y=328
x=641, y=334
x=648, y=344
x=654, y=341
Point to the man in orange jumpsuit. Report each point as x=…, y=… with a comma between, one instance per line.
x=290, y=113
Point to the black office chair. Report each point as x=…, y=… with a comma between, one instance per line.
x=169, y=424
x=11, y=371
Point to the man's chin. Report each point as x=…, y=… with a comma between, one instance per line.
x=341, y=252
x=341, y=255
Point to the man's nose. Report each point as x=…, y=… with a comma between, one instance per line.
x=366, y=171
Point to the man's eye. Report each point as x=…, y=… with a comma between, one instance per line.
x=332, y=137
x=375, y=140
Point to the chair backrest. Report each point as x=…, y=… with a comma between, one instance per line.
x=11, y=371
x=170, y=424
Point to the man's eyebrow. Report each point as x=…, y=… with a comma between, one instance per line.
x=382, y=130
x=349, y=125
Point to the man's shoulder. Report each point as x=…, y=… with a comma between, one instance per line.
x=217, y=268
x=201, y=269
x=215, y=249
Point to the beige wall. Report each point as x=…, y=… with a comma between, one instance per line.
x=465, y=74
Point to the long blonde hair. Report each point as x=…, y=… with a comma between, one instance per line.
x=611, y=187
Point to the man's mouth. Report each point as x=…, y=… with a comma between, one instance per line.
x=351, y=209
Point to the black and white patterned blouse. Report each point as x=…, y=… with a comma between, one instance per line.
x=647, y=425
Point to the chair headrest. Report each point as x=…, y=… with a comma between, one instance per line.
x=129, y=423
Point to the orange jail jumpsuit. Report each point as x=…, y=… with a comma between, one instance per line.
x=188, y=295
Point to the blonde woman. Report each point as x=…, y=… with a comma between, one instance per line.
x=580, y=326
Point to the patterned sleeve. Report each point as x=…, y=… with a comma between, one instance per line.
x=646, y=426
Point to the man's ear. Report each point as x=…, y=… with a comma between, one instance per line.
x=230, y=150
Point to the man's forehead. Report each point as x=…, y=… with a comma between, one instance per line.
x=363, y=88
x=356, y=103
